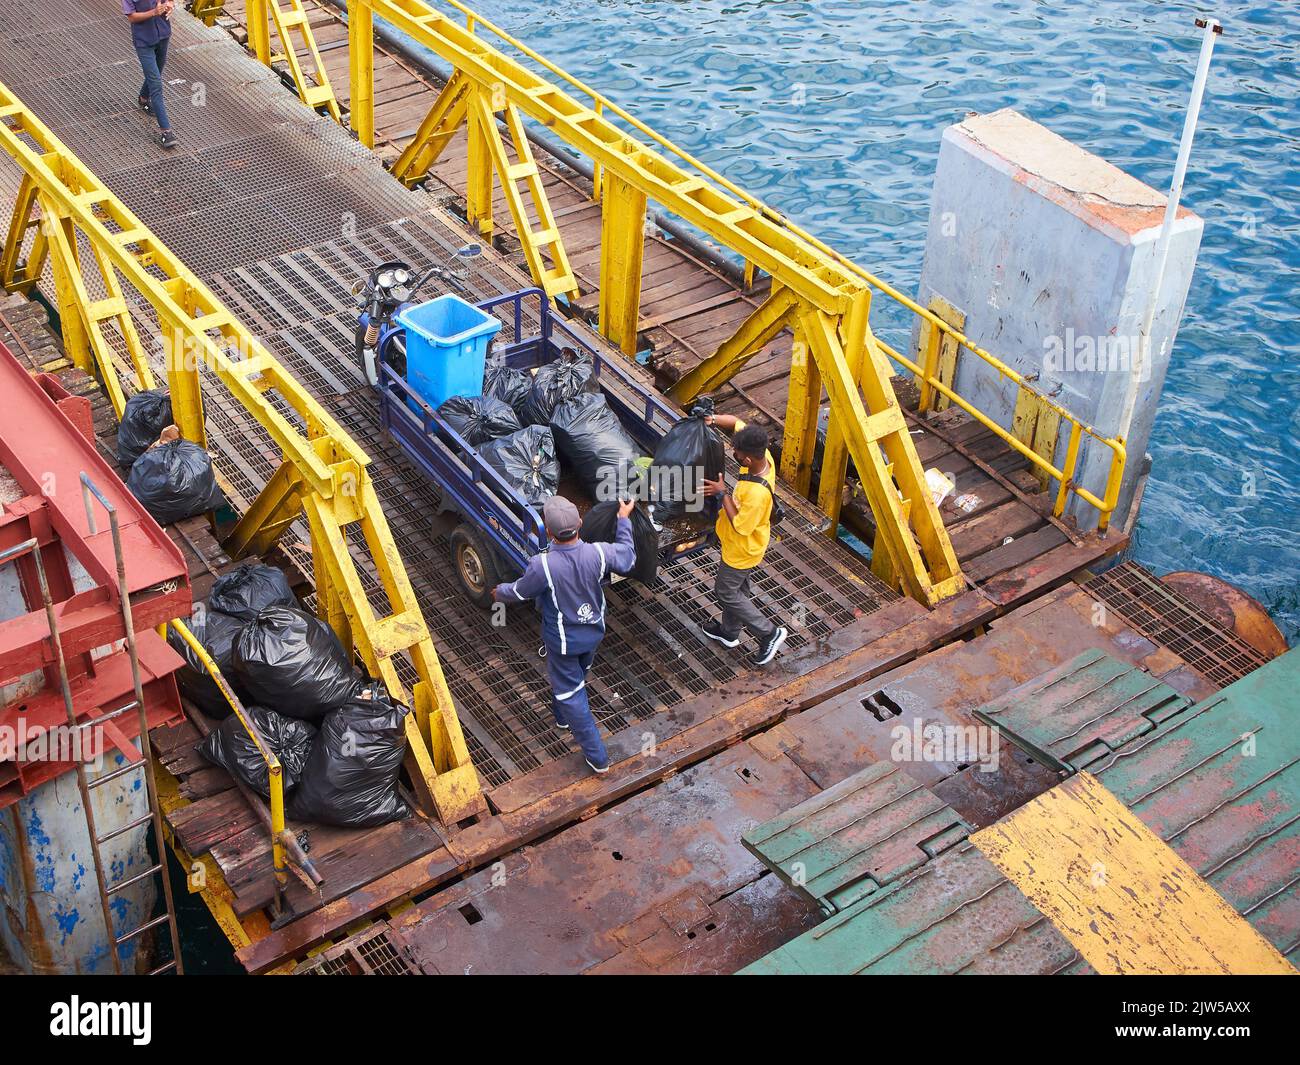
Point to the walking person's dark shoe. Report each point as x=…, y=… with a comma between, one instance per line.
x=562, y=727
x=145, y=105
x=713, y=630
x=167, y=139
x=598, y=769
x=768, y=648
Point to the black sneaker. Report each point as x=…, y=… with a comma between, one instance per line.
x=145, y=105
x=713, y=631
x=769, y=647
x=598, y=769
x=167, y=139
x=561, y=727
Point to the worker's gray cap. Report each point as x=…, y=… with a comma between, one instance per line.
x=561, y=517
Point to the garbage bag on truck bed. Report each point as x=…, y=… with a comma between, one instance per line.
x=144, y=418
x=527, y=461
x=175, y=481
x=250, y=588
x=592, y=440
x=217, y=633
x=508, y=385
x=230, y=746
x=688, y=454
x=600, y=526
x=569, y=375
x=292, y=662
x=351, y=774
x=479, y=419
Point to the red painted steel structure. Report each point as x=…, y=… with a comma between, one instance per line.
x=46, y=443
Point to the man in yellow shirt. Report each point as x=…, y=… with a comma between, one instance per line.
x=744, y=528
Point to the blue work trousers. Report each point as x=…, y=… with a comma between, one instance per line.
x=152, y=59
x=568, y=675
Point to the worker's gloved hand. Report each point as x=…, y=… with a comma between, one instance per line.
x=625, y=507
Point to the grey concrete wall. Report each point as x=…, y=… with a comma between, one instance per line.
x=1050, y=252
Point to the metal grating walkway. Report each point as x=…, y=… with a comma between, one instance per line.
x=1164, y=616
x=279, y=211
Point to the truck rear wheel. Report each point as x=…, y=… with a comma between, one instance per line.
x=476, y=564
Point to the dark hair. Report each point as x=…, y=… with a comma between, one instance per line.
x=751, y=440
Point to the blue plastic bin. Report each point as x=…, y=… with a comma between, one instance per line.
x=446, y=347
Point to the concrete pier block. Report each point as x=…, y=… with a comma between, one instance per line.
x=1050, y=252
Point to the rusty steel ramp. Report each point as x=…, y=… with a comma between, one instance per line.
x=665, y=882
x=1215, y=794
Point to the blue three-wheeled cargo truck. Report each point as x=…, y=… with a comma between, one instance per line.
x=412, y=353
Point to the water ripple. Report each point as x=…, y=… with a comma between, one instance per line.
x=833, y=111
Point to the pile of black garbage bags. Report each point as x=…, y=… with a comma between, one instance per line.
x=525, y=425
x=339, y=738
x=170, y=476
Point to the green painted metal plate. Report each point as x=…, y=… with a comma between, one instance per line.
x=1220, y=783
x=856, y=837
x=1083, y=711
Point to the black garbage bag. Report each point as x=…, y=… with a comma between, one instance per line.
x=144, y=418
x=569, y=375
x=592, y=440
x=351, y=775
x=230, y=746
x=217, y=633
x=527, y=460
x=479, y=419
x=175, y=481
x=689, y=453
x=600, y=526
x=250, y=588
x=508, y=385
x=292, y=662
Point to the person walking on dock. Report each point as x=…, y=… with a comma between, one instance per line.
x=151, y=30
x=744, y=528
x=566, y=581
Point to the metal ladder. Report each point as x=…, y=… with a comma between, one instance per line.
x=143, y=763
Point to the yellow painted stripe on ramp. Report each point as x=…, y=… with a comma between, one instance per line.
x=1117, y=891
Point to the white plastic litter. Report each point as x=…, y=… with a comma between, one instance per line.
x=939, y=484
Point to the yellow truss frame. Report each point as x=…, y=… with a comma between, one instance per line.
x=806, y=282
x=316, y=92
x=207, y=11
x=323, y=473
x=628, y=173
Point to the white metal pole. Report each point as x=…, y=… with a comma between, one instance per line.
x=1212, y=29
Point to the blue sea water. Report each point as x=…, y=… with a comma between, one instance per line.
x=832, y=112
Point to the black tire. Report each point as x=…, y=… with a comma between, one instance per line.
x=477, y=570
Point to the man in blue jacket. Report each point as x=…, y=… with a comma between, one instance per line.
x=150, y=32
x=567, y=581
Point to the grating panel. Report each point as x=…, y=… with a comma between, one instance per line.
x=1169, y=619
x=167, y=186
x=45, y=55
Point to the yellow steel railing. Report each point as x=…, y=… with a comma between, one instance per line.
x=323, y=475
x=1064, y=476
x=281, y=837
x=818, y=295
